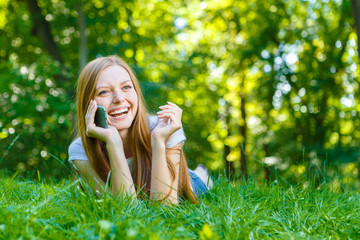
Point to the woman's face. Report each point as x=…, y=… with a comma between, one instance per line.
x=115, y=91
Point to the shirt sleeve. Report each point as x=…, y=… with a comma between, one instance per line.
x=175, y=138
x=77, y=152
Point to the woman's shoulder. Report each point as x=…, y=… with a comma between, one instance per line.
x=76, y=150
x=76, y=144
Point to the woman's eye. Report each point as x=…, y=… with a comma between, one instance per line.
x=127, y=87
x=103, y=92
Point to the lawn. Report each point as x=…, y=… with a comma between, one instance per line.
x=246, y=210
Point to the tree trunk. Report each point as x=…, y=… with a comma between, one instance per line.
x=266, y=167
x=41, y=29
x=356, y=13
x=83, y=48
x=243, y=127
x=229, y=165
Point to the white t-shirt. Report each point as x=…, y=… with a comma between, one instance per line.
x=77, y=152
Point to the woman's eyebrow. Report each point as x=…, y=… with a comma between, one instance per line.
x=105, y=86
x=101, y=87
x=125, y=81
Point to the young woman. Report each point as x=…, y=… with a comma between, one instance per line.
x=137, y=154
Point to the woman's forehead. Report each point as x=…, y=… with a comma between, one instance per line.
x=114, y=74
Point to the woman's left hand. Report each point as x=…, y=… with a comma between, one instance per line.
x=169, y=121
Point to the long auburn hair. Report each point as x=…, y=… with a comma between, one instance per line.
x=138, y=135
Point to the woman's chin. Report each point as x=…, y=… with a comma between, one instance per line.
x=121, y=126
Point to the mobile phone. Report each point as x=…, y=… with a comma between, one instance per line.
x=100, y=117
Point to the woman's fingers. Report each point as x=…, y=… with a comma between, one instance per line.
x=173, y=119
x=168, y=111
x=165, y=127
x=174, y=105
x=175, y=113
x=172, y=108
x=89, y=117
x=90, y=108
x=93, y=110
x=104, y=134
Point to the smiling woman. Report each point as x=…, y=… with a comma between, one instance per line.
x=142, y=154
x=115, y=91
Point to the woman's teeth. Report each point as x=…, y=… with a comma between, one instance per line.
x=119, y=112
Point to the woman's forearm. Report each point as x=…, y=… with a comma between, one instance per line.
x=121, y=179
x=160, y=176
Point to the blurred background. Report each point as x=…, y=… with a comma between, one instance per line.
x=268, y=88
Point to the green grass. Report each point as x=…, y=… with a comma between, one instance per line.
x=43, y=210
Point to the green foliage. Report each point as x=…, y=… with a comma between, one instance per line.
x=46, y=209
x=275, y=78
x=37, y=114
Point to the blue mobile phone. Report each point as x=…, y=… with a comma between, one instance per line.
x=100, y=117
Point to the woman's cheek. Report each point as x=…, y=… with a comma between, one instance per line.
x=133, y=98
x=102, y=102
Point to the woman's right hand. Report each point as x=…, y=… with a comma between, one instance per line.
x=107, y=135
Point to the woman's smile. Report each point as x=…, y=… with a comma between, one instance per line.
x=119, y=113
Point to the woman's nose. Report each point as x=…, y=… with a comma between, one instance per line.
x=118, y=97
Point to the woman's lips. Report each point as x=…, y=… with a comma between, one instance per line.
x=118, y=111
x=120, y=117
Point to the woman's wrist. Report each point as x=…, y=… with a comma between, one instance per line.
x=157, y=142
x=114, y=143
